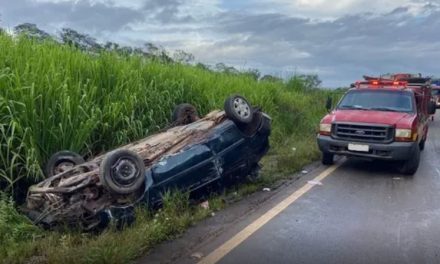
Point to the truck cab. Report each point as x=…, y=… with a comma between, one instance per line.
x=383, y=119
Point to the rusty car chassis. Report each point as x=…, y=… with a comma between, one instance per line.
x=192, y=154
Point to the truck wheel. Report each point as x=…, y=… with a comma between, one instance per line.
x=422, y=144
x=327, y=158
x=62, y=161
x=184, y=114
x=238, y=109
x=409, y=167
x=122, y=172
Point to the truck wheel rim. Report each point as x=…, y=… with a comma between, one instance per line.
x=242, y=108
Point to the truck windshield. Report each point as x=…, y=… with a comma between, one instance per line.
x=435, y=92
x=394, y=101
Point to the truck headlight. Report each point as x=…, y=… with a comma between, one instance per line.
x=325, y=129
x=405, y=135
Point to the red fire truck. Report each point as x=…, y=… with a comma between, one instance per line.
x=380, y=118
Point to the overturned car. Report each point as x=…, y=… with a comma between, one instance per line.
x=194, y=153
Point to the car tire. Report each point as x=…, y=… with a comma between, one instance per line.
x=122, y=172
x=184, y=114
x=328, y=158
x=409, y=167
x=238, y=109
x=61, y=161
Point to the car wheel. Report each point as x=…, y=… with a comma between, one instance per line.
x=62, y=161
x=238, y=109
x=184, y=114
x=409, y=167
x=122, y=172
x=327, y=158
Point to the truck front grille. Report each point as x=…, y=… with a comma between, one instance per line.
x=363, y=132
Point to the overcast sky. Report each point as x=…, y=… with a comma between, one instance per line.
x=340, y=40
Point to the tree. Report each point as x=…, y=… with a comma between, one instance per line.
x=304, y=82
x=221, y=67
x=253, y=73
x=151, y=48
x=73, y=38
x=125, y=50
x=157, y=53
x=271, y=78
x=183, y=57
x=2, y=31
x=31, y=31
x=311, y=81
x=203, y=66
x=111, y=46
x=139, y=52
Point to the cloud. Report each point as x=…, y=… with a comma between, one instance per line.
x=342, y=49
x=83, y=15
x=339, y=41
x=327, y=9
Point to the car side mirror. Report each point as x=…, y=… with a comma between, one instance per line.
x=328, y=104
x=431, y=108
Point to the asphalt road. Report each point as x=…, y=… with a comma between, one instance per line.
x=364, y=212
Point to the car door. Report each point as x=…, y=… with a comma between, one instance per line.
x=187, y=170
x=230, y=147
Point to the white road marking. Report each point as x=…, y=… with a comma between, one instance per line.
x=241, y=236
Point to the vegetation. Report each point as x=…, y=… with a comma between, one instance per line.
x=55, y=97
x=26, y=243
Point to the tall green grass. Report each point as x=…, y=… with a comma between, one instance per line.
x=54, y=97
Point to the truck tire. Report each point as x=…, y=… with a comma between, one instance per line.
x=409, y=167
x=327, y=158
x=422, y=144
x=122, y=172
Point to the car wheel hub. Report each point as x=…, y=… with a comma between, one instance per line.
x=241, y=108
x=63, y=166
x=125, y=171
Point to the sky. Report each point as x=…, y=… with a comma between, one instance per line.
x=340, y=40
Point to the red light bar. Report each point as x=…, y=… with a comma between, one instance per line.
x=381, y=83
x=400, y=83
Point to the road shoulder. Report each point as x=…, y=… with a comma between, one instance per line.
x=201, y=239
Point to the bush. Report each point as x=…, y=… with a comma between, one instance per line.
x=17, y=233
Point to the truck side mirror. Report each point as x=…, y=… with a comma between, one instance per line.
x=328, y=104
x=431, y=108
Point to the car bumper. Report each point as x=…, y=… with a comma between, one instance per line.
x=390, y=151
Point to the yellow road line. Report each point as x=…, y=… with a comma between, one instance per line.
x=236, y=240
